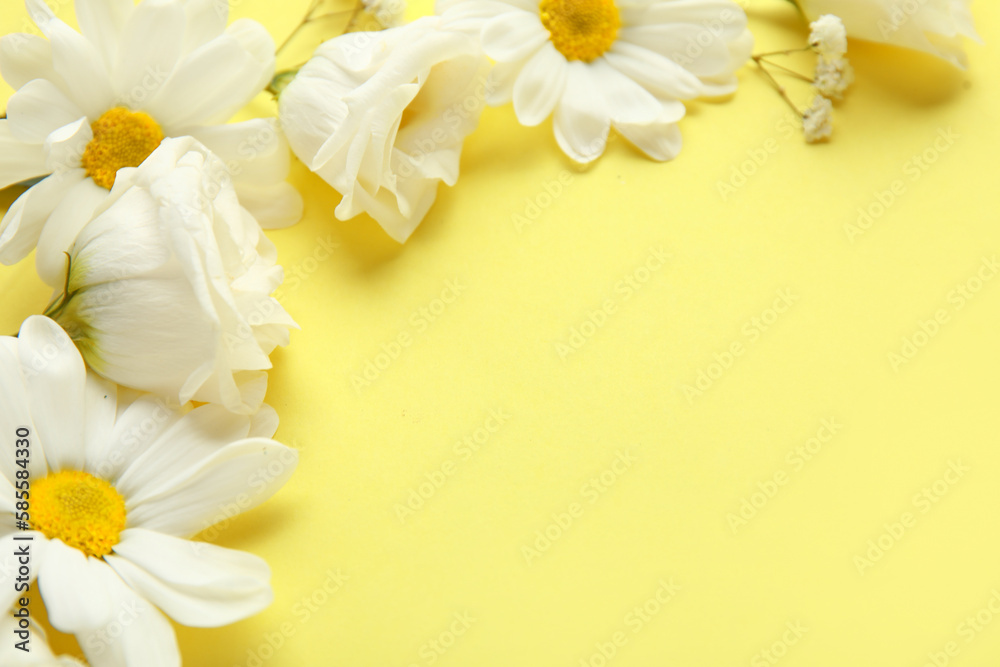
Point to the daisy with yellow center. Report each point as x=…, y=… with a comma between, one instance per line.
x=116, y=490
x=90, y=103
x=594, y=65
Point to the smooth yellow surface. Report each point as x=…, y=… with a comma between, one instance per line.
x=567, y=420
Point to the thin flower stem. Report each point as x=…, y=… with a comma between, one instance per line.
x=312, y=19
x=777, y=86
x=786, y=52
x=787, y=70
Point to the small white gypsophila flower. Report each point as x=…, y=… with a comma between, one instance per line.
x=833, y=77
x=817, y=120
x=828, y=37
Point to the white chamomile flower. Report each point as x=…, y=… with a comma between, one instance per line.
x=88, y=104
x=817, y=120
x=116, y=490
x=37, y=653
x=833, y=77
x=169, y=286
x=598, y=64
x=382, y=116
x=828, y=37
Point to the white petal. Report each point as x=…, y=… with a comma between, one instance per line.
x=214, y=81
x=74, y=211
x=137, y=428
x=276, y=206
x=19, y=161
x=194, y=438
x=65, y=147
x=206, y=20
x=500, y=82
x=54, y=378
x=82, y=69
x=101, y=22
x=100, y=407
x=265, y=423
x=675, y=42
x=255, y=151
x=23, y=222
x=513, y=36
x=74, y=595
x=539, y=86
x=255, y=468
x=16, y=414
x=197, y=584
x=658, y=74
x=9, y=563
x=138, y=635
x=581, y=121
x=149, y=51
x=24, y=58
x=38, y=109
x=660, y=140
x=625, y=100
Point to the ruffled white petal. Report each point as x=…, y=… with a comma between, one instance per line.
x=276, y=206
x=75, y=597
x=197, y=584
x=193, y=502
x=19, y=161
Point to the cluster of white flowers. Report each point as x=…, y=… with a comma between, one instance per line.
x=828, y=38
x=146, y=211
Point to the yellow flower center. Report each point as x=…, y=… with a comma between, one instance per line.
x=83, y=511
x=581, y=29
x=122, y=138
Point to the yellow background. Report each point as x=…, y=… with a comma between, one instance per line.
x=667, y=516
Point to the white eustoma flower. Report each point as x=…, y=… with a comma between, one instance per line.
x=934, y=26
x=116, y=490
x=88, y=104
x=169, y=286
x=39, y=653
x=598, y=64
x=381, y=116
